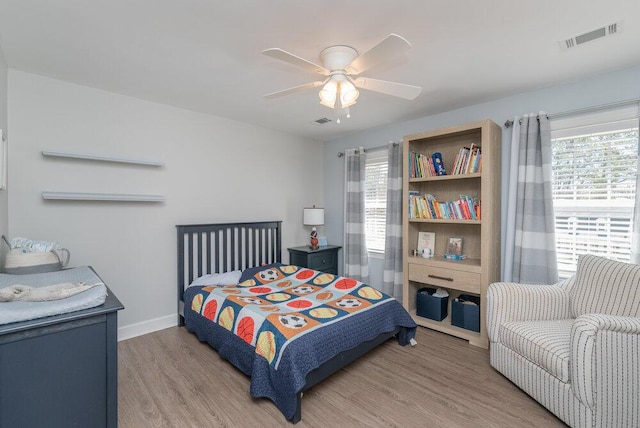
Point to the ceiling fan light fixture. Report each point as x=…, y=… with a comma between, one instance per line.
x=338, y=93
x=328, y=94
x=348, y=94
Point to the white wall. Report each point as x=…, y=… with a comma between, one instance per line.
x=607, y=88
x=4, y=207
x=217, y=170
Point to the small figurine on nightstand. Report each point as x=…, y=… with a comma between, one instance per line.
x=313, y=244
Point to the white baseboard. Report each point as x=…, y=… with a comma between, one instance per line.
x=149, y=326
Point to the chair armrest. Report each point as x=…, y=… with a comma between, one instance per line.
x=510, y=301
x=605, y=366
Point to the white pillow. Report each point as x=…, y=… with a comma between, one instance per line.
x=218, y=279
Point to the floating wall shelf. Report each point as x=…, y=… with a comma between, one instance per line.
x=71, y=155
x=116, y=197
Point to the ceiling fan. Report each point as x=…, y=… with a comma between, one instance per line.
x=341, y=65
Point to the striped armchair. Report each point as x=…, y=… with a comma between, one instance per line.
x=573, y=346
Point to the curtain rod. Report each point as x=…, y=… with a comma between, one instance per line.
x=340, y=154
x=592, y=109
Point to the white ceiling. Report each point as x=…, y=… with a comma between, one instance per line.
x=205, y=55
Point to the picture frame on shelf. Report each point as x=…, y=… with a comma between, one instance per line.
x=322, y=241
x=454, y=246
x=426, y=241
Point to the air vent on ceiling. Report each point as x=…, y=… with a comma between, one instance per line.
x=607, y=30
x=322, y=121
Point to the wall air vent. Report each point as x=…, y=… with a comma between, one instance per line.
x=607, y=30
x=322, y=121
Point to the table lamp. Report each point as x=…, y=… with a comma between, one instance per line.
x=313, y=217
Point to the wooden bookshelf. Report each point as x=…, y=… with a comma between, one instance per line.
x=481, y=238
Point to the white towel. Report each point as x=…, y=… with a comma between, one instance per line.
x=27, y=293
x=441, y=292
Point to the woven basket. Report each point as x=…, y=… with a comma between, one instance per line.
x=18, y=263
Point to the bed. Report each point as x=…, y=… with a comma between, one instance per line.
x=287, y=327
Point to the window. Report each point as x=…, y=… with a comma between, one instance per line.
x=375, y=200
x=595, y=163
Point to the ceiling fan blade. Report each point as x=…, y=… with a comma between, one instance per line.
x=408, y=92
x=294, y=89
x=285, y=56
x=392, y=45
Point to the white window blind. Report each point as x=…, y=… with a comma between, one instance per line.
x=375, y=203
x=595, y=162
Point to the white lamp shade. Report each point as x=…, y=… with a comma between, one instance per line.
x=348, y=94
x=328, y=94
x=313, y=216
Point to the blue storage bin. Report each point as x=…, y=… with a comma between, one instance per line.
x=427, y=306
x=465, y=315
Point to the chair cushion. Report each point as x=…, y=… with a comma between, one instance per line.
x=605, y=286
x=544, y=343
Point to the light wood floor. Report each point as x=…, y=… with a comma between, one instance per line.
x=170, y=379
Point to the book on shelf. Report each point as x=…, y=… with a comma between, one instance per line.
x=438, y=164
x=426, y=240
x=454, y=256
x=428, y=207
x=460, y=160
x=421, y=165
x=468, y=160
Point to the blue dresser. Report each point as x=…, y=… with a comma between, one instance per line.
x=61, y=371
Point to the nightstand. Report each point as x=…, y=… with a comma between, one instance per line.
x=324, y=259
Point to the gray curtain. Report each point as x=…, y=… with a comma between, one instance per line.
x=635, y=234
x=356, y=258
x=534, y=258
x=509, y=240
x=392, y=274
